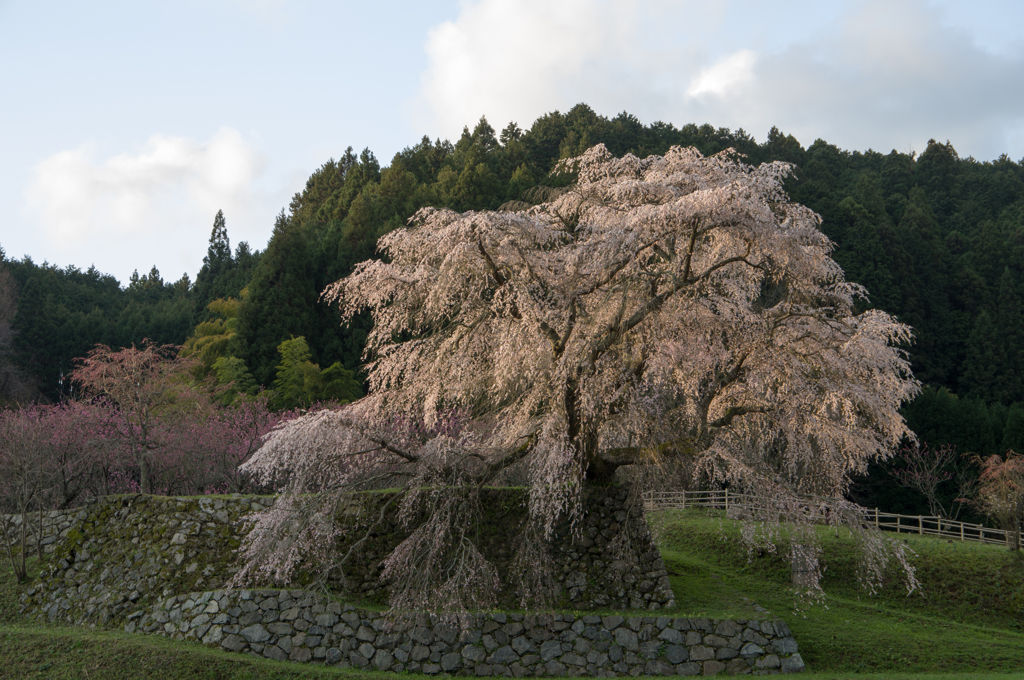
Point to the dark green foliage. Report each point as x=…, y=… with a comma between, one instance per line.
x=63, y=313
x=222, y=275
x=282, y=299
x=232, y=373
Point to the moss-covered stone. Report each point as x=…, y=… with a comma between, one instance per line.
x=127, y=552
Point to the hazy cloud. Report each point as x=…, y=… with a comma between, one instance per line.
x=871, y=73
x=166, y=195
x=725, y=76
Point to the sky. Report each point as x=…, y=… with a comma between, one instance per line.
x=125, y=126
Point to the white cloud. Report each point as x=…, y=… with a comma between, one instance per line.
x=513, y=60
x=724, y=76
x=163, y=197
x=863, y=73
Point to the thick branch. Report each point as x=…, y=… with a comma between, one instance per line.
x=733, y=412
x=490, y=263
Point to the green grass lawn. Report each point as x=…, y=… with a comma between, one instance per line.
x=965, y=623
x=965, y=619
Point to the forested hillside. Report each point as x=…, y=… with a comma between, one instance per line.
x=938, y=240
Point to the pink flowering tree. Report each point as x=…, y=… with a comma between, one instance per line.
x=656, y=312
x=25, y=477
x=83, y=454
x=204, y=451
x=1000, y=493
x=146, y=386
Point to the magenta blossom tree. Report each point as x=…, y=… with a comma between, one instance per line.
x=657, y=312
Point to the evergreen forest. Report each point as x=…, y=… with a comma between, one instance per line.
x=938, y=241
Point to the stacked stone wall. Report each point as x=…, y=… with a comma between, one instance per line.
x=299, y=626
x=43, y=529
x=121, y=552
x=608, y=561
x=158, y=565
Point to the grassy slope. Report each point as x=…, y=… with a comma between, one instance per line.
x=967, y=623
x=966, y=618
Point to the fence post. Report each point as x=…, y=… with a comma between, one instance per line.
x=920, y=524
x=876, y=518
x=727, y=501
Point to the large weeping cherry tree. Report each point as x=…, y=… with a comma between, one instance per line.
x=671, y=313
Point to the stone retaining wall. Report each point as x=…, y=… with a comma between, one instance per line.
x=121, y=552
x=303, y=627
x=592, y=574
x=55, y=525
x=128, y=560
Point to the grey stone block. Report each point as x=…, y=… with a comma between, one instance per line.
x=751, y=651
x=649, y=650
x=422, y=635
x=504, y=655
x=784, y=646
x=612, y=622
x=715, y=641
x=450, y=662
x=793, y=664
x=280, y=628
x=627, y=638
x=676, y=654
x=234, y=643
x=659, y=667
x=750, y=635
x=737, y=667
x=550, y=650
x=573, y=659
x=554, y=668
x=255, y=634
x=671, y=636
x=713, y=667
x=326, y=620
x=382, y=660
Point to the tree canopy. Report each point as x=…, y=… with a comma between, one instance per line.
x=675, y=311
x=935, y=237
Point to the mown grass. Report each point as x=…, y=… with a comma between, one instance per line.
x=965, y=619
x=965, y=622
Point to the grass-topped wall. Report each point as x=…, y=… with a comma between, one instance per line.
x=121, y=554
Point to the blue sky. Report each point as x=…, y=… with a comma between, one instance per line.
x=127, y=125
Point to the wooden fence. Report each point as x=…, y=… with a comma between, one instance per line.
x=909, y=524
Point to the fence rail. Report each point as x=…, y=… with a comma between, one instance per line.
x=910, y=524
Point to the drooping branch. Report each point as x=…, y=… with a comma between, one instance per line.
x=623, y=322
